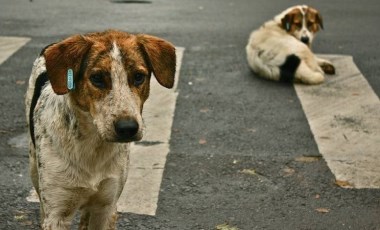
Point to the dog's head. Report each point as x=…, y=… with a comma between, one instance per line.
x=302, y=22
x=111, y=73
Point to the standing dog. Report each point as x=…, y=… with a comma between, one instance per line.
x=281, y=48
x=84, y=104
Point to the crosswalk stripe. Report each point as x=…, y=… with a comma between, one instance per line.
x=140, y=194
x=344, y=116
x=9, y=45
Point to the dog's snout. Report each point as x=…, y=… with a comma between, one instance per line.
x=126, y=129
x=305, y=40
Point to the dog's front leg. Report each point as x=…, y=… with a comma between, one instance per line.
x=103, y=218
x=59, y=205
x=326, y=66
x=307, y=75
x=102, y=205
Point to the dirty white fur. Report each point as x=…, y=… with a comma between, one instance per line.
x=120, y=102
x=270, y=45
x=80, y=157
x=97, y=169
x=76, y=167
x=303, y=32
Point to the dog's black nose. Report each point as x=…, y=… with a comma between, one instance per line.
x=305, y=40
x=126, y=128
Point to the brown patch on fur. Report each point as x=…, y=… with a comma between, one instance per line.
x=119, y=92
x=136, y=64
x=292, y=21
x=162, y=58
x=313, y=20
x=62, y=56
x=328, y=68
x=98, y=61
x=90, y=54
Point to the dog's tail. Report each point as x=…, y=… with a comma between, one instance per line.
x=289, y=67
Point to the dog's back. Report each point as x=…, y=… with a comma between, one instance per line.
x=275, y=50
x=267, y=49
x=38, y=70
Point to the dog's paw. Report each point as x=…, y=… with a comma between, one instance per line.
x=327, y=68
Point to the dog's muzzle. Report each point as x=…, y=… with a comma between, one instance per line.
x=126, y=130
x=305, y=40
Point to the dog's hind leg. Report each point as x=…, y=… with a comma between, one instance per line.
x=263, y=63
x=306, y=75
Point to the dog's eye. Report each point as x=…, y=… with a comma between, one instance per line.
x=310, y=24
x=98, y=80
x=298, y=25
x=138, y=79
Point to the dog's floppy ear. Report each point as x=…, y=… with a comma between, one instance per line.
x=287, y=21
x=314, y=16
x=292, y=17
x=319, y=20
x=61, y=57
x=162, y=58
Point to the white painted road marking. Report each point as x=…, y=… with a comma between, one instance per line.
x=344, y=116
x=9, y=45
x=148, y=157
x=343, y=113
x=140, y=194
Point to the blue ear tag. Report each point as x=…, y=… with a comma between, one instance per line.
x=70, y=79
x=287, y=25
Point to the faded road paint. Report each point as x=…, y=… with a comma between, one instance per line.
x=9, y=45
x=148, y=157
x=344, y=116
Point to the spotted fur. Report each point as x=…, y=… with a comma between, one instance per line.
x=79, y=142
x=273, y=49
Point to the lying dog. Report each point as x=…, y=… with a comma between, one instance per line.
x=281, y=48
x=84, y=104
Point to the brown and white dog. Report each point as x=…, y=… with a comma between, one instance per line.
x=281, y=48
x=83, y=105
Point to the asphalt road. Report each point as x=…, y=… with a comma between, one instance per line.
x=236, y=139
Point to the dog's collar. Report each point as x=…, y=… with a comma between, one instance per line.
x=70, y=80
